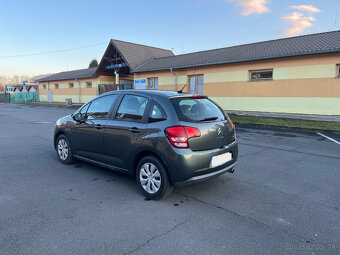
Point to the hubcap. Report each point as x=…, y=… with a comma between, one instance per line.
x=62, y=149
x=150, y=178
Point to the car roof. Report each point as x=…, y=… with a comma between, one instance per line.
x=162, y=93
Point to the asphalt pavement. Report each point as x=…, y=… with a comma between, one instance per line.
x=284, y=198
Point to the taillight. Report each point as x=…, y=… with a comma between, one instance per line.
x=192, y=132
x=232, y=125
x=179, y=135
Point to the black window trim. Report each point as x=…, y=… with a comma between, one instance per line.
x=145, y=117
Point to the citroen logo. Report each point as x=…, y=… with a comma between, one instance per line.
x=219, y=131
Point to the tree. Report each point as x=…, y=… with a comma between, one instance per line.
x=15, y=78
x=93, y=63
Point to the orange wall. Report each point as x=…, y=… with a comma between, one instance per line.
x=280, y=88
x=320, y=59
x=298, y=87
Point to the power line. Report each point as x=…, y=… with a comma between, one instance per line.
x=53, y=52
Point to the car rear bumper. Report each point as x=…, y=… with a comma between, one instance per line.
x=205, y=177
x=186, y=166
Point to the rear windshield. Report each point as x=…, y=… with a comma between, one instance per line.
x=197, y=110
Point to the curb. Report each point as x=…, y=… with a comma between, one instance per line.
x=284, y=116
x=306, y=131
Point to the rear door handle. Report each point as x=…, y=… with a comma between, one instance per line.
x=134, y=130
x=98, y=126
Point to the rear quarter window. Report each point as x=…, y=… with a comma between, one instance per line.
x=197, y=109
x=157, y=113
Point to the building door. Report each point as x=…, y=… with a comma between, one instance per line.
x=200, y=84
x=196, y=84
x=153, y=83
x=192, y=84
x=49, y=96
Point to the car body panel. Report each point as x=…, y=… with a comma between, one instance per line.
x=120, y=139
x=87, y=139
x=214, y=134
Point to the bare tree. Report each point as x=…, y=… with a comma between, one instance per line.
x=15, y=78
x=4, y=79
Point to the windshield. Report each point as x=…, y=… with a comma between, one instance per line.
x=197, y=109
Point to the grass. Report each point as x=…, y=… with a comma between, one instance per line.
x=303, y=124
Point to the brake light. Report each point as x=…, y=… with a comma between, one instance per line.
x=179, y=135
x=232, y=125
x=197, y=96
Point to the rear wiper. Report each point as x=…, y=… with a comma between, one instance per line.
x=208, y=119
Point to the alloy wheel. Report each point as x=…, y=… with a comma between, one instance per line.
x=62, y=149
x=150, y=178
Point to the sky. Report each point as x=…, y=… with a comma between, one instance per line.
x=43, y=37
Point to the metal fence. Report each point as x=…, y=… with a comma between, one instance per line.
x=102, y=88
x=24, y=97
x=4, y=98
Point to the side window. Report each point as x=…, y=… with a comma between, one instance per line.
x=82, y=110
x=157, y=113
x=132, y=108
x=100, y=108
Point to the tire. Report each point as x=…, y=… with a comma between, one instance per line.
x=64, y=151
x=152, y=178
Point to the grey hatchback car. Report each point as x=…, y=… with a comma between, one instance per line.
x=163, y=138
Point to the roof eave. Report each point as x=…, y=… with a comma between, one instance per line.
x=240, y=61
x=120, y=53
x=75, y=78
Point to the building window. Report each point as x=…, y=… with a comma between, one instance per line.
x=338, y=70
x=71, y=85
x=196, y=84
x=261, y=75
x=153, y=83
x=56, y=86
x=44, y=86
x=89, y=84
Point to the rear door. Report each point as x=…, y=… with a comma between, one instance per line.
x=125, y=130
x=200, y=112
x=87, y=136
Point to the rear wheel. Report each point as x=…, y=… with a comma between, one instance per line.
x=64, y=150
x=153, y=179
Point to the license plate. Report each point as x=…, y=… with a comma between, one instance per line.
x=220, y=159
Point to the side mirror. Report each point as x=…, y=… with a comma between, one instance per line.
x=77, y=117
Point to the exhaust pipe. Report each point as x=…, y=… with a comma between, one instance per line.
x=231, y=170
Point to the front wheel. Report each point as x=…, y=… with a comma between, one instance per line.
x=64, y=150
x=153, y=179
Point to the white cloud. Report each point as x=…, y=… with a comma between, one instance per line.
x=299, y=22
x=252, y=6
x=305, y=8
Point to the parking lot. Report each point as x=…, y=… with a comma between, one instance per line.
x=284, y=198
